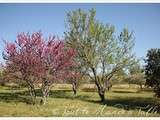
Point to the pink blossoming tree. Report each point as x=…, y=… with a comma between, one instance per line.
x=38, y=60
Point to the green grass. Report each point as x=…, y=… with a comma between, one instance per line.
x=119, y=102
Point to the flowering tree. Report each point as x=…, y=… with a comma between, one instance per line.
x=56, y=59
x=37, y=61
x=73, y=77
x=22, y=57
x=74, y=80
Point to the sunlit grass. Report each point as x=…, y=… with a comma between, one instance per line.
x=119, y=102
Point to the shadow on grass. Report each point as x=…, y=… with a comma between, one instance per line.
x=24, y=96
x=17, y=96
x=136, y=103
x=130, y=103
x=118, y=91
x=14, y=97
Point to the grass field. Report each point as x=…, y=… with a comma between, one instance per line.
x=121, y=101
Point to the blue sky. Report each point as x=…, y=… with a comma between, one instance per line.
x=143, y=19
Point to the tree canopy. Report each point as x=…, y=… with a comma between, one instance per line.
x=100, y=51
x=152, y=70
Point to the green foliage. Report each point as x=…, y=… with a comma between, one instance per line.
x=152, y=70
x=119, y=77
x=96, y=43
x=100, y=51
x=136, y=76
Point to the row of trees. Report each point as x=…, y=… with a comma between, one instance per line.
x=90, y=48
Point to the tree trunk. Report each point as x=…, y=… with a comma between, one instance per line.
x=141, y=87
x=32, y=94
x=45, y=93
x=74, y=88
x=102, y=95
x=108, y=88
x=74, y=92
x=43, y=100
x=101, y=90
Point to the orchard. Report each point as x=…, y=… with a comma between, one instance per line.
x=91, y=66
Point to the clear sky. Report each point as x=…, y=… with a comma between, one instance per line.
x=143, y=19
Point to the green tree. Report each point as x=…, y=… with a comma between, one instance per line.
x=136, y=75
x=99, y=51
x=152, y=70
x=119, y=77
